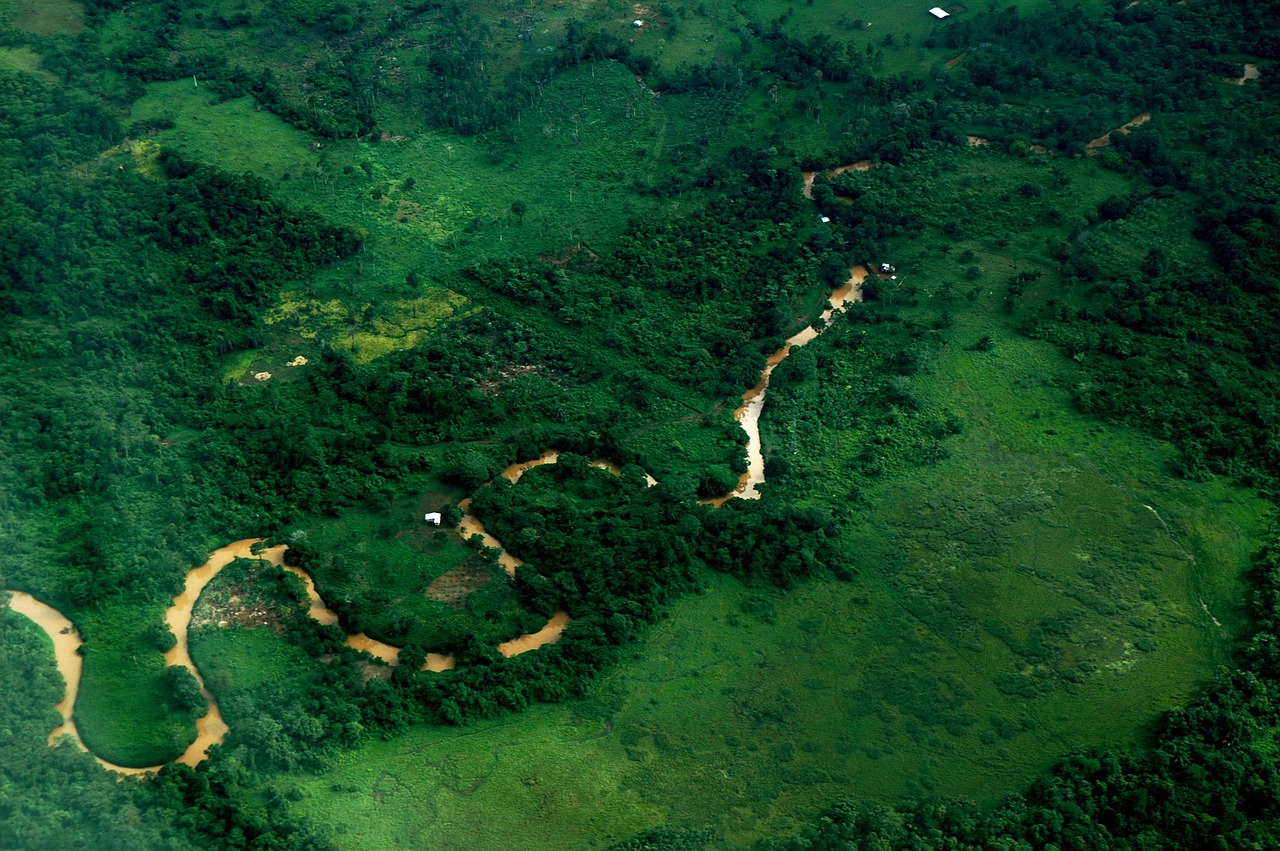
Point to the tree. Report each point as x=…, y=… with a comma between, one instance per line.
x=518, y=209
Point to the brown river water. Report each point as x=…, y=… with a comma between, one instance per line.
x=211, y=729
x=1105, y=139
x=748, y=413
x=860, y=165
x=1251, y=72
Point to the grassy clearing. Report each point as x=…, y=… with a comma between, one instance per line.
x=239, y=663
x=430, y=203
x=1014, y=601
x=26, y=60
x=392, y=324
x=434, y=201
x=43, y=17
x=545, y=780
x=683, y=441
x=1155, y=223
x=910, y=679
x=897, y=30
x=768, y=705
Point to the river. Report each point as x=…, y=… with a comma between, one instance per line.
x=1105, y=139
x=748, y=413
x=809, y=176
x=212, y=729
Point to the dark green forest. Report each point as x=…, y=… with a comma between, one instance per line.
x=301, y=271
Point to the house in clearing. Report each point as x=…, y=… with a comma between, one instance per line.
x=433, y=518
x=939, y=12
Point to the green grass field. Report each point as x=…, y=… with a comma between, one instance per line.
x=1043, y=582
x=769, y=705
x=27, y=60
x=578, y=154
x=125, y=712
x=1013, y=601
x=238, y=663
x=906, y=681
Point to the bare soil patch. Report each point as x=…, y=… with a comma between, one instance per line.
x=454, y=585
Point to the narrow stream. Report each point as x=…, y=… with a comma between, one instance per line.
x=748, y=413
x=1251, y=72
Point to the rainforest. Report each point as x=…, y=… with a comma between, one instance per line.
x=492, y=424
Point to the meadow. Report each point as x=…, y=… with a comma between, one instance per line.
x=43, y=17
x=434, y=202
x=126, y=712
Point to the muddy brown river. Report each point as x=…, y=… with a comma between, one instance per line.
x=211, y=729
x=1105, y=139
x=809, y=176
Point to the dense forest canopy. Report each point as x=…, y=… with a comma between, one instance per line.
x=303, y=271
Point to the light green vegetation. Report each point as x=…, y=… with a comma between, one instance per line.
x=546, y=780
x=892, y=35
x=689, y=442
x=237, y=366
x=125, y=710
x=231, y=134
x=579, y=151
x=368, y=331
x=236, y=661
x=768, y=703
x=1015, y=599
x=24, y=59
x=1158, y=223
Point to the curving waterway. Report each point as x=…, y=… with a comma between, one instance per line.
x=212, y=729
